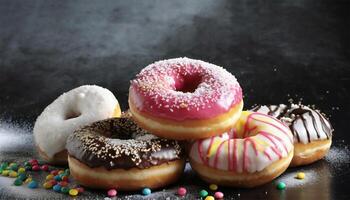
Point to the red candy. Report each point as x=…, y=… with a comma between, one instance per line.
x=80, y=189
x=63, y=183
x=35, y=167
x=219, y=195
x=33, y=162
x=112, y=192
x=45, y=167
x=53, y=182
x=65, y=178
x=181, y=191
x=54, y=172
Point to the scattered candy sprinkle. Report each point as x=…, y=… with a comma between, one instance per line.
x=44, y=167
x=219, y=195
x=22, y=177
x=181, y=191
x=65, y=190
x=281, y=186
x=18, y=182
x=300, y=175
x=146, y=191
x=213, y=187
x=35, y=167
x=49, y=177
x=21, y=170
x=47, y=185
x=209, y=198
x=57, y=188
x=73, y=192
x=57, y=178
x=65, y=178
x=203, y=193
x=63, y=183
x=80, y=189
x=28, y=180
x=33, y=184
x=112, y=192
x=5, y=172
x=13, y=174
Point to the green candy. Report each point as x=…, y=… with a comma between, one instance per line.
x=4, y=165
x=18, y=182
x=22, y=176
x=27, y=164
x=281, y=186
x=203, y=193
x=65, y=190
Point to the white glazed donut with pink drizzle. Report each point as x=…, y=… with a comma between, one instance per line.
x=258, y=149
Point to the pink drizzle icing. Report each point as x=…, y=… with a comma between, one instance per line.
x=232, y=153
x=184, y=88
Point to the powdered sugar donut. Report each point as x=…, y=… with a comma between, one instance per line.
x=185, y=99
x=258, y=149
x=71, y=110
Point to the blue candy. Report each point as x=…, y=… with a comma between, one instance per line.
x=146, y=191
x=57, y=188
x=33, y=184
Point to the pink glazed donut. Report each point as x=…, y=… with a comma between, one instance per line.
x=184, y=98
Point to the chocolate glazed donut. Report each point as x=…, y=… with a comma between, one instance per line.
x=116, y=153
x=312, y=131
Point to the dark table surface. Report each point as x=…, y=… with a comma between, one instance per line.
x=292, y=49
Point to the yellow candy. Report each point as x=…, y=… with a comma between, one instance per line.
x=213, y=187
x=300, y=175
x=49, y=177
x=21, y=170
x=73, y=192
x=13, y=174
x=29, y=179
x=47, y=185
x=209, y=198
x=5, y=172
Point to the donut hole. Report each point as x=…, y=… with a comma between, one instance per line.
x=188, y=84
x=71, y=114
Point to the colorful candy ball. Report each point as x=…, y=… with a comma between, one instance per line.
x=213, y=187
x=209, y=198
x=73, y=192
x=146, y=191
x=281, y=186
x=181, y=191
x=18, y=182
x=44, y=167
x=33, y=184
x=47, y=185
x=203, y=193
x=65, y=190
x=57, y=188
x=112, y=192
x=300, y=175
x=219, y=195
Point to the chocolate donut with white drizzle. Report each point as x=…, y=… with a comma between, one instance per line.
x=312, y=130
x=129, y=156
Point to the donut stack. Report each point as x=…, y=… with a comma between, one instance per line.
x=179, y=104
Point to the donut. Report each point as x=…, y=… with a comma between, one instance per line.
x=312, y=131
x=116, y=153
x=183, y=98
x=255, y=151
x=71, y=110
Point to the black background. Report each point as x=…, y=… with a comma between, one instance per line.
x=277, y=49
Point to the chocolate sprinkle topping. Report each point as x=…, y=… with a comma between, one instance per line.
x=120, y=143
